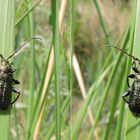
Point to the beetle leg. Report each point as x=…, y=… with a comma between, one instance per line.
x=1, y=56
x=136, y=70
x=13, y=70
x=134, y=63
x=128, y=82
x=17, y=92
x=125, y=95
x=15, y=81
x=132, y=76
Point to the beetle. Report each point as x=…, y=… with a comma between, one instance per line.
x=132, y=95
x=7, y=81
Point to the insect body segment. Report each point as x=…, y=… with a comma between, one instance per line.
x=134, y=98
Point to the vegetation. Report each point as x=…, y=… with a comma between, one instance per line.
x=72, y=80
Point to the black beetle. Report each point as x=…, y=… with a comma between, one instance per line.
x=6, y=84
x=7, y=80
x=132, y=95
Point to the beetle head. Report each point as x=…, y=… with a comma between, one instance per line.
x=4, y=64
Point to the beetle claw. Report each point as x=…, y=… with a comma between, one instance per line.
x=125, y=95
x=15, y=91
x=16, y=81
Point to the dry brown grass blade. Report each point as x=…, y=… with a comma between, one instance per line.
x=80, y=80
x=50, y=69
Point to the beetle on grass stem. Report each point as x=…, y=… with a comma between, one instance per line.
x=132, y=95
x=6, y=79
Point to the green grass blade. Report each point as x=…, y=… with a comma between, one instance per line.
x=72, y=15
x=110, y=81
x=90, y=96
x=30, y=33
x=7, y=18
x=132, y=130
x=20, y=18
x=38, y=104
x=56, y=45
x=52, y=128
x=103, y=23
x=115, y=100
x=118, y=132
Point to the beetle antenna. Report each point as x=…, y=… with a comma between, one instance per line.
x=130, y=55
x=23, y=46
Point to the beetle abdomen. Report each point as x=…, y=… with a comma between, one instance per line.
x=134, y=99
x=5, y=91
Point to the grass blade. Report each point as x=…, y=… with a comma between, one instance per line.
x=82, y=112
x=7, y=18
x=133, y=128
x=103, y=23
x=55, y=23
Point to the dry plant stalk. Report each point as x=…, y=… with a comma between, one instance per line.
x=50, y=69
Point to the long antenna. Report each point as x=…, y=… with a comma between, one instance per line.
x=130, y=55
x=23, y=46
